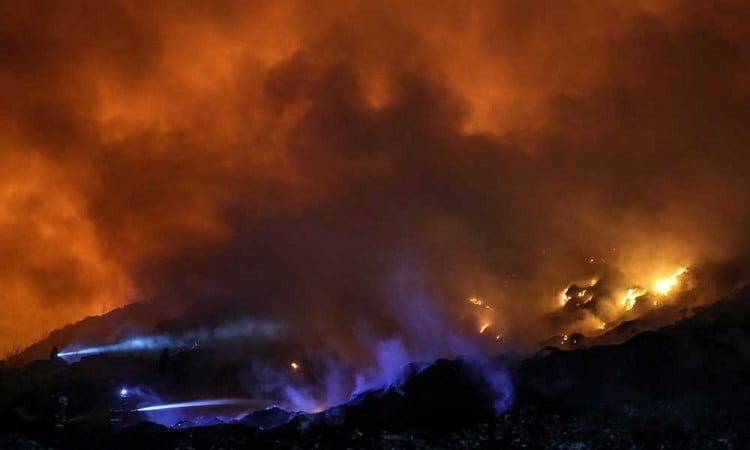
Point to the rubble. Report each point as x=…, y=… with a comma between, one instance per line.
x=682, y=386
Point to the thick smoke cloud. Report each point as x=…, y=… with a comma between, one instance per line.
x=359, y=168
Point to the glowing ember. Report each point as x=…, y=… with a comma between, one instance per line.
x=479, y=303
x=483, y=327
x=665, y=285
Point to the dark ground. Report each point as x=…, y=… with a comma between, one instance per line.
x=683, y=386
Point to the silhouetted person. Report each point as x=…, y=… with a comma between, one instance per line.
x=62, y=409
x=163, y=360
x=53, y=354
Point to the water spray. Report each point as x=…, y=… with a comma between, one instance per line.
x=201, y=403
x=130, y=345
x=238, y=328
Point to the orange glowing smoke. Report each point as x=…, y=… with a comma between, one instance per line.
x=302, y=154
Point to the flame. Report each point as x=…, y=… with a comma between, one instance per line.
x=622, y=302
x=477, y=302
x=564, y=297
x=484, y=321
x=628, y=301
x=665, y=285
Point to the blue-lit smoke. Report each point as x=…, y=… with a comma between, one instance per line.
x=238, y=328
x=424, y=337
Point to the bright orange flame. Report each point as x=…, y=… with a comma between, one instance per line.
x=564, y=297
x=484, y=327
x=665, y=285
x=628, y=301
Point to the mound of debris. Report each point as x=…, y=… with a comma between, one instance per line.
x=445, y=396
x=703, y=355
x=268, y=418
x=683, y=385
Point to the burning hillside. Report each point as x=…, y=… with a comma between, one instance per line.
x=604, y=395
x=343, y=168
x=603, y=303
x=289, y=203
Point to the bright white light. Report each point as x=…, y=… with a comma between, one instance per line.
x=199, y=403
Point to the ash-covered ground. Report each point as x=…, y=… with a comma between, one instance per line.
x=681, y=386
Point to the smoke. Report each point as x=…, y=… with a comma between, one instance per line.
x=294, y=158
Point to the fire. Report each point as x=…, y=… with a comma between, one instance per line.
x=608, y=309
x=294, y=365
x=564, y=297
x=665, y=285
x=484, y=320
x=628, y=301
x=477, y=302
